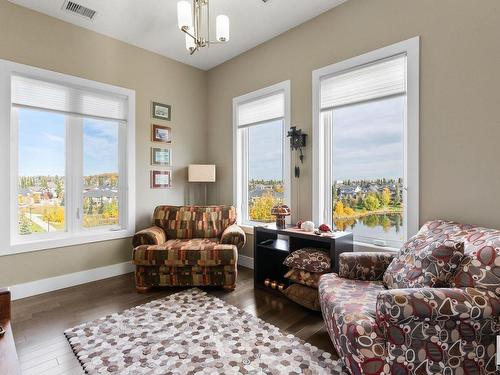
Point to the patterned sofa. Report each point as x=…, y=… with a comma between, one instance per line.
x=449, y=329
x=188, y=246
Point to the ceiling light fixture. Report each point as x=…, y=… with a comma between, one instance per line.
x=194, y=20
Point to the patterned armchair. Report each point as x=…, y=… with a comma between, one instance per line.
x=188, y=246
x=446, y=329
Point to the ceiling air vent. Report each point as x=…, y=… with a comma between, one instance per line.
x=79, y=9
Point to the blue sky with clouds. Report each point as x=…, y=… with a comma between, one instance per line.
x=367, y=140
x=265, y=151
x=100, y=147
x=42, y=145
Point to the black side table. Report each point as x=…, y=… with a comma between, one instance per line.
x=272, y=246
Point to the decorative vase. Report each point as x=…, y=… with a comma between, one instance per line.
x=274, y=284
x=267, y=282
x=307, y=226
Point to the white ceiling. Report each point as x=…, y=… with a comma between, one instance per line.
x=152, y=24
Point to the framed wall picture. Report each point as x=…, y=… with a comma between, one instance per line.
x=161, y=156
x=161, y=179
x=160, y=133
x=161, y=111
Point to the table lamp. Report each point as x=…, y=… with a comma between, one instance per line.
x=201, y=173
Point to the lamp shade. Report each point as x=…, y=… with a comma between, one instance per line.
x=184, y=15
x=222, y=28
x=201, y=173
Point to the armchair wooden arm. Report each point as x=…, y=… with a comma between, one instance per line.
x=9, y=363
x=4, y=304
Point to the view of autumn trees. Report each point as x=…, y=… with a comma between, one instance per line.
x=41, y=202
x=97, y=213
x=363, y=205
x=372, y=203
x=264, y=195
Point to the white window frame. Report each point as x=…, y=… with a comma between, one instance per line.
x=10, y=241
x=321, y=156
x=240, y=192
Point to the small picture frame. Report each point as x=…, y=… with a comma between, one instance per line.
x=161, y=179
x=160, y=133
x=161, y=111
x=161, y=156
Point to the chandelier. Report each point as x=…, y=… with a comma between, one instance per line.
x=194, y=20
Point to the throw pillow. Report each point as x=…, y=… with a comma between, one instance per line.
x=304, y=277
x=424, y=262
x=309, y=259
x=304, y=296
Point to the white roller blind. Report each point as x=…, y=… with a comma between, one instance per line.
x=263, y=109
x=29, y=92
x=376, y=80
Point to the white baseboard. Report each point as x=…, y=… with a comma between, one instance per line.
x=50, y=284
x=245, y=261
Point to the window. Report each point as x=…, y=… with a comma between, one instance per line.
x=366, y=145
x=70, y=142
x=101, y=176
x=261, y=122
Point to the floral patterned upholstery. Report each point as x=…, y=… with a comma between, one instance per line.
x=304, y=277
x=188, y=245
x=448, y=330
x=438, y=304
x=149, y=236
x=364, y=266
x=424, y=262
x=233, y=235
x=186, y=276
x=348, y=308
x=455, y=328
x=480, y=268
x=183, y=222
x=194, y=252
x=309, y=259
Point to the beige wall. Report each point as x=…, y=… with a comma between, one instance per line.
x=34, y=39
x=459, y=95
x=459, y=113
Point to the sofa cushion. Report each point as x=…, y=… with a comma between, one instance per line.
x=309, y=259
x=186, y=222
x=194, y=252
x=480, y=267
x=364, y=265
x=348, y=308
x=304, y=277
x=303, y=295
x=423, y=262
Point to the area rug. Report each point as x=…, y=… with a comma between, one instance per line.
x=191, y=332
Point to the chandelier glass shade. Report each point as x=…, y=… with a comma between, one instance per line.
x=193, y=18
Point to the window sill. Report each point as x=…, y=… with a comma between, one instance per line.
x=363, y=246
x=68, y=240
x=248, y=229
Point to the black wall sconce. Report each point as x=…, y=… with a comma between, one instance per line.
x=297, y=142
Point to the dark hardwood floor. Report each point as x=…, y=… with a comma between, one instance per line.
x=38, y=322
